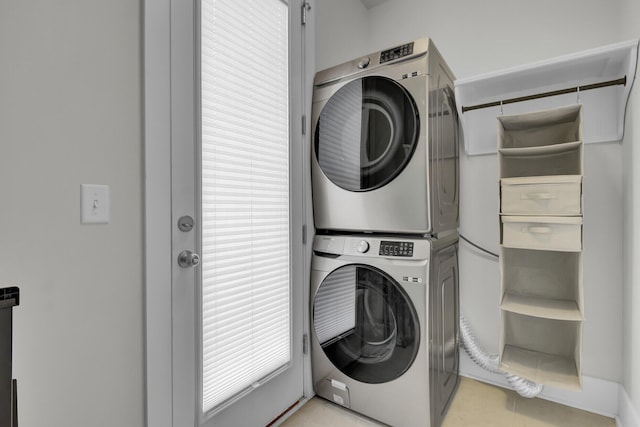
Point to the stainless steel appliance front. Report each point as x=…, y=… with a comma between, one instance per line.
x=384, y=325
x=385, y=143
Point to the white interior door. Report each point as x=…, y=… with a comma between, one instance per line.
x=236, y=178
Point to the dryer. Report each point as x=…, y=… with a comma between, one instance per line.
x=385, y=143
x=384, y=325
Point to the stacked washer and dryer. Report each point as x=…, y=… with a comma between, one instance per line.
x=384, y=279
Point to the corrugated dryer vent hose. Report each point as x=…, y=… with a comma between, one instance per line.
x=488, y=362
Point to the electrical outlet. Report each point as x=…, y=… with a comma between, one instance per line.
x=94, y=201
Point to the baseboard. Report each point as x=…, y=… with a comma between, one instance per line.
x=627, y=413
x=286, y=415
x=597, y=395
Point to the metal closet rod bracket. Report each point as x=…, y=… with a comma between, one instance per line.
x=621, y=81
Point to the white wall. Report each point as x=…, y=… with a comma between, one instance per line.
x=630, y=19
x=479, y=37
x=474, y=37
x=70, y=113
x=342, y=31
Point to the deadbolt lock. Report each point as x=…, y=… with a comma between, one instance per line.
x=185, y=223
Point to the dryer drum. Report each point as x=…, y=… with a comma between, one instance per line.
x=366, y=133
x=381, y=133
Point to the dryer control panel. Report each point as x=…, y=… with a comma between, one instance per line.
x=389, y=248
x=396, y=52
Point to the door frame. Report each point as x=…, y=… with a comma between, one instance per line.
x=158, y=226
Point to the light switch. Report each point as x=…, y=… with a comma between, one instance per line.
x=94, y=201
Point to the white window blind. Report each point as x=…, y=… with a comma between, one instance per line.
x=340, y=133
x=245, y=196
x=334, y=306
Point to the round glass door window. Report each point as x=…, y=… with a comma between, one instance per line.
x=366, y=133
x=366, y=324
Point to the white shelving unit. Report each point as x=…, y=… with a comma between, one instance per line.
x=603, y=107
x=540, y=156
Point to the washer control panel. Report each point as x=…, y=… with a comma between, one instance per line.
x=396, y=52
x=366, y=246
x=401, y=249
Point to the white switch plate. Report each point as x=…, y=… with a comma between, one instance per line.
x=94, y=201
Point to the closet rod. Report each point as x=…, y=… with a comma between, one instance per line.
x=621, y=81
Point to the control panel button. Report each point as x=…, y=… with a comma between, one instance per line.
x=363, y=246
x=364, y=63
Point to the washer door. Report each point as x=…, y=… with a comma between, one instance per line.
x=366, y=324
x=366, y=133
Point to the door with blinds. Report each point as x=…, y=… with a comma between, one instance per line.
x=237, y=209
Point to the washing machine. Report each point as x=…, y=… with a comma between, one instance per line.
x=384, y=335
x=385, y=143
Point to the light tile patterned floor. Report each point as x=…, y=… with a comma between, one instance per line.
x=476, y=405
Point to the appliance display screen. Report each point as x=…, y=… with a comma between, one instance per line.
x=396, y=52
x=388, y=248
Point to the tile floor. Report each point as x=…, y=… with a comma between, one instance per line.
x=475, y=405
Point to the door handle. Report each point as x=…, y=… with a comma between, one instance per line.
x=537, y=196
x=188, y=259
x=539, y=230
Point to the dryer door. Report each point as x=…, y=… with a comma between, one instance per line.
x=366, y=324
x=366, y=133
